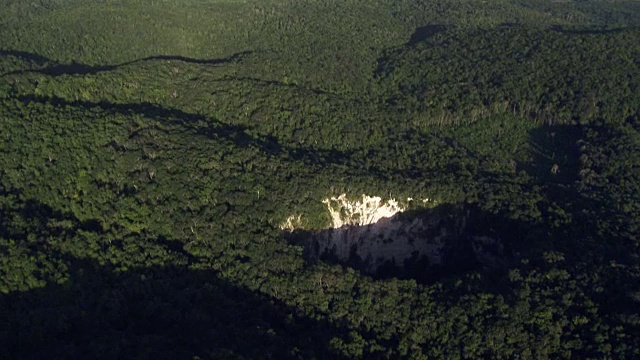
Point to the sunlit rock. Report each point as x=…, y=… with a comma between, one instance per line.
x=376, y=236
x=360, y=213
x=293, y=222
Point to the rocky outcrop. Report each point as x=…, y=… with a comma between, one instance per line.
x=369, y=211
x=375, y=235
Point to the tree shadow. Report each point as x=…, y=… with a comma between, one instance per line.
x=211, y=128
x=75, y=68
x=145, y=312
x=554, y=154
x=27, y=56
x=201, y=124
x=155, y=313
x=427, y=245
x=425, y=32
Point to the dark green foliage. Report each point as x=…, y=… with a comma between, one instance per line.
x=149, y=152
x=553, y=76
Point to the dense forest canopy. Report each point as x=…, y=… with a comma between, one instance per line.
x=151, y=151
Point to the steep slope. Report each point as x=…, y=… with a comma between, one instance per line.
x=150, y=152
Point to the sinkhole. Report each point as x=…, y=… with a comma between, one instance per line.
x=418, y=239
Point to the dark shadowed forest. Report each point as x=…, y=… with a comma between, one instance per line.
x=166, y=170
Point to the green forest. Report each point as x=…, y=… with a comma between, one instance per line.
x=150, y=151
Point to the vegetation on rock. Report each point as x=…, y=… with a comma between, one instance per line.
x=151, y=150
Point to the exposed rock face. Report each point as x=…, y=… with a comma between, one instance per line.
x=390, y=241
x=360, y=213
x=292, y=223
x=374, y=235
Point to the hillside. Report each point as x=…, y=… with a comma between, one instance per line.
x=313, y=179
